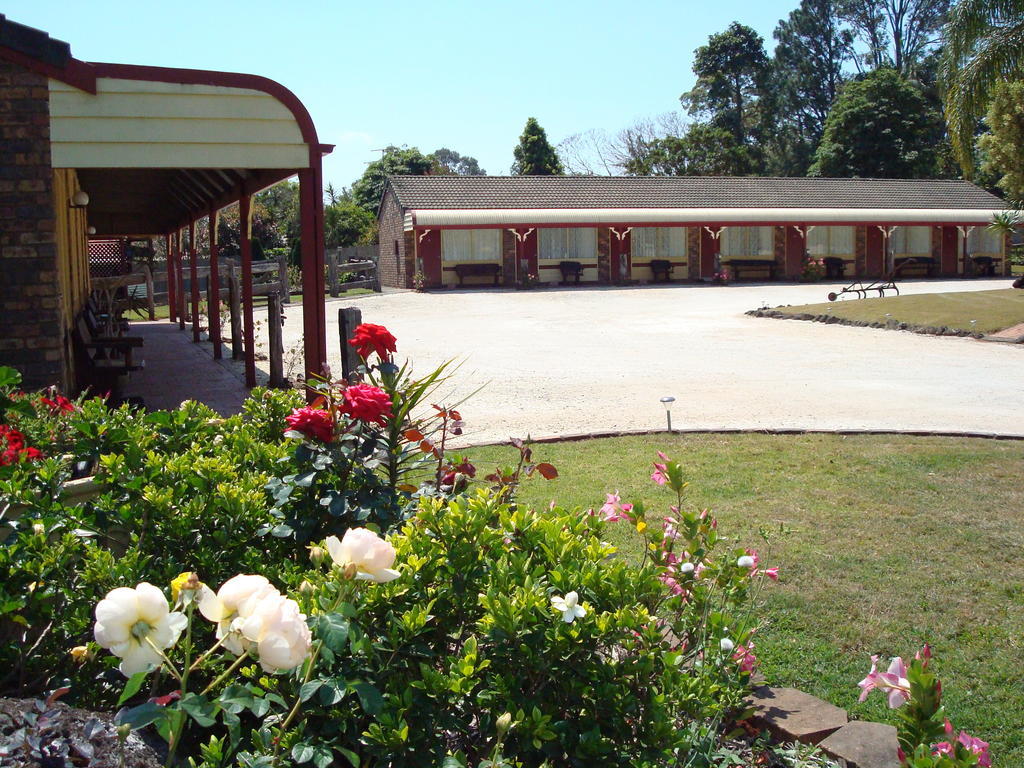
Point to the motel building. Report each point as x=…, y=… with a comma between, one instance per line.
x=450, y=231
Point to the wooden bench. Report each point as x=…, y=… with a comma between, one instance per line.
x=661, y=267
x=984, y=266
x=735, y=265
x=478, y=270
x=927, y=263
x=105, y=358
x=570, y=269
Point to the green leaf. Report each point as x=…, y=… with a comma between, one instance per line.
x=351, y=756
x=369, y=697
x=302, y=752
x=235, y=698
x=308, y=689
x=199, y=709
x=306, y=479
x=132, y=687
x=322, y=756
x=333, y=628
x=141, y=716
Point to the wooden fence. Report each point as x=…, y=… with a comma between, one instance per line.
x=360, y=260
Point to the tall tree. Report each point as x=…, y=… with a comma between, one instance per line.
x=732, y=70
x=896, y=33
x=1003, y=145
x=449, y=161
x=396, y=161
x=807, y=70
x=880, y=126
x=704, y=149
x=534, y=155
x=984, y=46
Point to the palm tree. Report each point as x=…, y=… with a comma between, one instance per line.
x=984, y=45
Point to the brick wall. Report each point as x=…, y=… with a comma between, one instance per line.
x=779, y=252
x=30, y=302
x=508, y=258
x=395, y=257
x=604, y=249
x=693, y=253
x=861, y=251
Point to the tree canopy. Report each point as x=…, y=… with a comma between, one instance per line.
x=534, y=155
x=396, y=161
x=1003, y=145
x=449, y=161
x=880, y=127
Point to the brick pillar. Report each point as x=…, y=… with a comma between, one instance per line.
x=604, y=251
x=693, y=253
x=861, y=251
x=33, y=338
x=508, y=257
x=779, y=251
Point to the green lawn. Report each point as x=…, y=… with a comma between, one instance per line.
x=994, y=310
x=896, y=541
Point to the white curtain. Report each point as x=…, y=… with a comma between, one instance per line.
x=752, y=242
x=984, y=240
x=567, y=244
x=471, y=244
x=911, y=241
x=658, y=243
x=830, y=241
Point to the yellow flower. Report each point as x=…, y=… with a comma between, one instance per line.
x=641, y=526
x=186, y=580
x=80, y=654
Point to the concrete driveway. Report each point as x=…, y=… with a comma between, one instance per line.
x=572, y=360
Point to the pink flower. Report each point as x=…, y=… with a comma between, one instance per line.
x=658, y=475
x=745, y=657
x=673, y=586
x=978, y=747
x=314, y=423
x=772, y=573
x=894, y=681
x=614, y=510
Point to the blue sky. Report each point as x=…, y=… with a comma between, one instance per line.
x=464, y=75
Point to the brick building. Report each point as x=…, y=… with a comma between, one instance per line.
x=470, y=229
x=115, y=150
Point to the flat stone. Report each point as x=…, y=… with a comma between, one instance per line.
x=864, y=745
x=793, y=715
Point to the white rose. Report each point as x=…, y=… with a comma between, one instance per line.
x=233, y=603
x=135, y=625
x=686, y=568
x=371, y=555
x=745, y=562
x=279, y=632
x=726, y=644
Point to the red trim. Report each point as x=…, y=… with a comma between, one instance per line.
x=227, y=79
x=171, y=292
x=180, y=269
x=79, y=74
x=214, y=286
x=193, y=279
x=314, y=311
x=249, y=325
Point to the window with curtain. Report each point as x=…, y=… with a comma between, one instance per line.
x=471, y=244
x=658, y=243
x=567, y=244
x=911, y=241
x=752, y=242
x=984, y=240
x=831, y=241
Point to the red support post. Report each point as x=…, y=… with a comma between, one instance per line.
x=249, y=325
x=172, y=293
x=180, y=269
x=314, y=313
x=214, y=287
x=194, y=279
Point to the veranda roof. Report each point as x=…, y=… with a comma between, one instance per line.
x=515, y=200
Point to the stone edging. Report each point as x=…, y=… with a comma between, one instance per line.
x=792, y=715
x=891, y=325
x=576, y=437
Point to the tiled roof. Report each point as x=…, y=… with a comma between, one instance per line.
x=482, y=192
x=33, y=42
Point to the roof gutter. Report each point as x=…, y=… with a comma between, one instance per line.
x=485, y=217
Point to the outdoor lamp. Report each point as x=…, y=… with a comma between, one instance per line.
x=79, y=200
x=667, y=402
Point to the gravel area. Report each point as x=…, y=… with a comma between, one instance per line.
x=560, y=361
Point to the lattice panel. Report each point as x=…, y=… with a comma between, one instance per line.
x=107, y=258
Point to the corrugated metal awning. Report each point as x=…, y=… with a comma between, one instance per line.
x=491, y=217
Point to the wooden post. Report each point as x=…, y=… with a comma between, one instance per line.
x=245, y=246
x=348, y=319
x=213, y=287
x=332, y=271
x=282, y=278
x=172, y=294
x=276, y=339
x=235, y=308
x=194, y=278
x=314, y=309
x=151, y=304
x=181, y=279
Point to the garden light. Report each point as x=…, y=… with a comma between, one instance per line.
x=667, y=402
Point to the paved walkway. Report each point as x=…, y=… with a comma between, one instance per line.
x=177, y=370
x=563, y=361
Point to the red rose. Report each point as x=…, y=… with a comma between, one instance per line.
x=312, y=422
x=369, y=338
x=366, y=403
x=59, y=405
x=13, y=448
